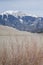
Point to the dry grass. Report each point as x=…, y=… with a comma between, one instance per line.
x=21, y=49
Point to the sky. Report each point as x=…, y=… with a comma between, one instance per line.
x=29, y=6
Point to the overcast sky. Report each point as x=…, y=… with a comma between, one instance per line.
x=30, y=6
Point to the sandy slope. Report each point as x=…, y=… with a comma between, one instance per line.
x=20, y=48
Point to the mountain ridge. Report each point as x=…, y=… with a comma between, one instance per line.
x=22, y=21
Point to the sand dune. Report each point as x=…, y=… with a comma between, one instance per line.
x=20, y=47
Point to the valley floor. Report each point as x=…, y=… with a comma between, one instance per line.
x=20, y=48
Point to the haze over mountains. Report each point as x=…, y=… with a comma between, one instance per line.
x=22, y=21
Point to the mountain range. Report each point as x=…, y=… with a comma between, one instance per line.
x=22, y=21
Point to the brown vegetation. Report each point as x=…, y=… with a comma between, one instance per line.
x=21, y=49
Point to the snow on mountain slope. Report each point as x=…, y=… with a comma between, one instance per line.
x=22, y=21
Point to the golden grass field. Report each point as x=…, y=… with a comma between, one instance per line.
x=20, y=48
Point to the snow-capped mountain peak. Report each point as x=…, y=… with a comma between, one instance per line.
x=22, y=21
x=17, y=13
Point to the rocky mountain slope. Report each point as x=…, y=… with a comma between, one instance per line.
x=21, y=21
